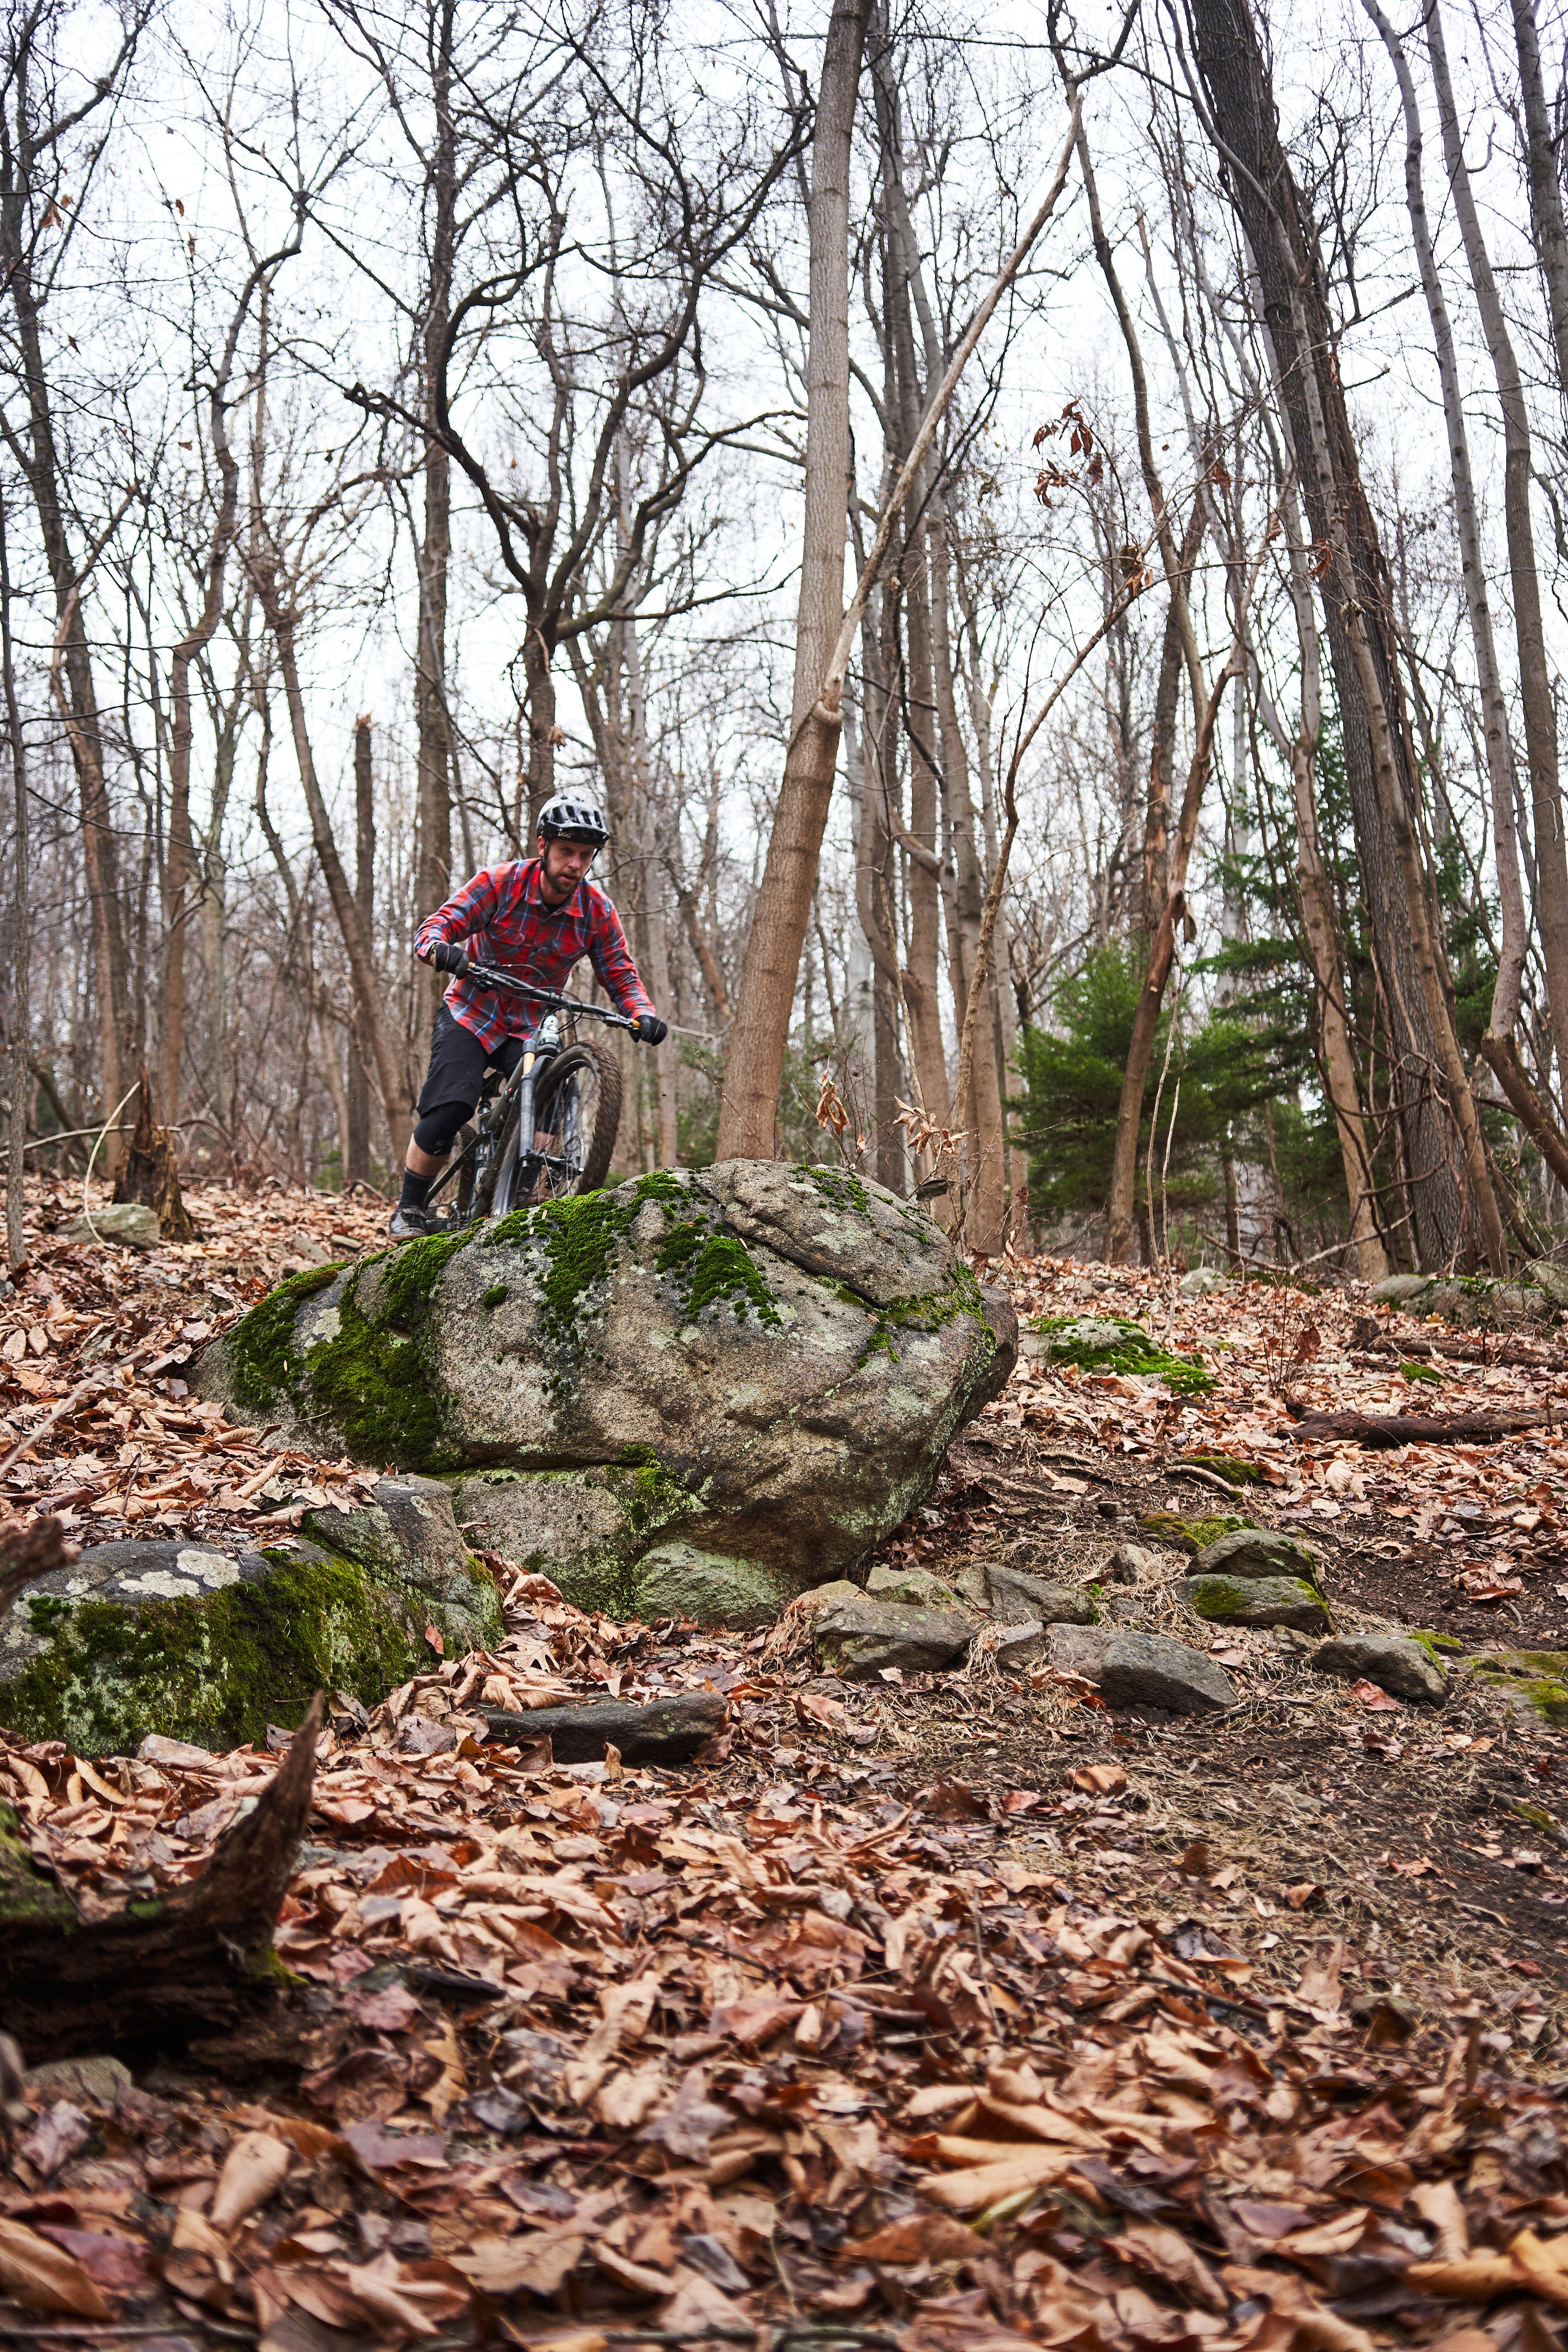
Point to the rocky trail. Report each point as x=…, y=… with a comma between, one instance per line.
x=955, y=2008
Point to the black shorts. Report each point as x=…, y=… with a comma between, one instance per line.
x=455, y=1079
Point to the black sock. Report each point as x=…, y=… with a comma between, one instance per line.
x=415, y=1190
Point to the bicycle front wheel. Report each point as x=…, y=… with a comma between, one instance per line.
x=577, y=1113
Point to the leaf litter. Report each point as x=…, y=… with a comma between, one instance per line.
x=906, y=2016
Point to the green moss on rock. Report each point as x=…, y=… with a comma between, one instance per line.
x=1189, y=1534
x=366, y=1376
x=1257, y=1601
x=1228, y=1465
x=573, y=1245
x=217, y=1670
x=842, y=1190
x=1540, y=1677
x=1086, y=1341
x=263, y=1352
x=925, y=1313
x=26, y=1896
x=714, y=1269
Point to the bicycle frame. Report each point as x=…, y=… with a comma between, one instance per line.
x=490, y=1120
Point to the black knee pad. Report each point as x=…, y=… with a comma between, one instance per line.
x=434, y=1131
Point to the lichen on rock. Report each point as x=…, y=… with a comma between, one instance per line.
x=116, y=1652
x=212, y=1644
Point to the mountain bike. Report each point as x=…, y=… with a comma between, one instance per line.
x=565, y=1097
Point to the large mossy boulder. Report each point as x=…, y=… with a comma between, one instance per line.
x=213, y=1644
x=760, y=1363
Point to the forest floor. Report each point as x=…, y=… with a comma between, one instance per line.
x=953, y=2011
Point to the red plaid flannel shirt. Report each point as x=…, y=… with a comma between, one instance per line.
x=499, y=918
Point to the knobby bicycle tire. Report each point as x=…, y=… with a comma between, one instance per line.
x=598, y=1147
x=599, y=1144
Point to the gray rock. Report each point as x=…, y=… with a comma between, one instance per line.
x=677, y=1580
x=1017, y=1598
x=1089, y=1331
x=1478, y=1301
x=1259, y=1551
x=1393, y=1661
x=1130, y=1564
x=1553, y=1279
x=408, y=1529
x=1151, y=1670
x=912, y=1587
x=1203, y=1281
x=586, y=1529
x=129, y=1223
x=1021, y=1645
x=1079, y=1649
x=824, y=1596
x=859, y=1638
x=96, y=2082
x=1397, y=1289
x=762, y=1361
x=1257, y=1601
x=202, y=1644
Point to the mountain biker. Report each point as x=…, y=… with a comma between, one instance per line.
x=537, y=917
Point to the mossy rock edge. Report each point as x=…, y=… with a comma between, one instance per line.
x=217, y=1668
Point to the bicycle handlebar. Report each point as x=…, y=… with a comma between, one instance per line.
x=491, y=976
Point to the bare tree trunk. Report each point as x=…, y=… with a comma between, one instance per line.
x=875, y=900
x=433, y=879
x=18, y=1087
x=1155, y=870
x=1494, y=711
x=390, y=1079
x=30, y=147
x=921, y=979
x=1438, y=1132
x=539, y=679
x=784, y=909
x=1333, y=1030
x=749, y=1106
x=193, y=642
x=653, y=895
x=980, y=1116
x=1534, y=676
x=1551, y=237
x=1151, y=996
x=1397, y=815
x=79, y=696
x=356, y=1093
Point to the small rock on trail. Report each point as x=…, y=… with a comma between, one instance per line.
x=1403, y=1667
x=1257, y=1601
x=859, y=1639
x=1151, y=1670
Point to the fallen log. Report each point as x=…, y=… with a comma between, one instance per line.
x=1462, y=1353
x=663, y=1731
x=1417, y=1428
x=195, y=1961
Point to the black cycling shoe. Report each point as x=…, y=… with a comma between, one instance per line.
x=407, y=1221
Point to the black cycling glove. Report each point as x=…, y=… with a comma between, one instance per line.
x=447, y=956
x=651, y=1030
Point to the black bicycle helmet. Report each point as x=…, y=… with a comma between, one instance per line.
x=566, y=820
